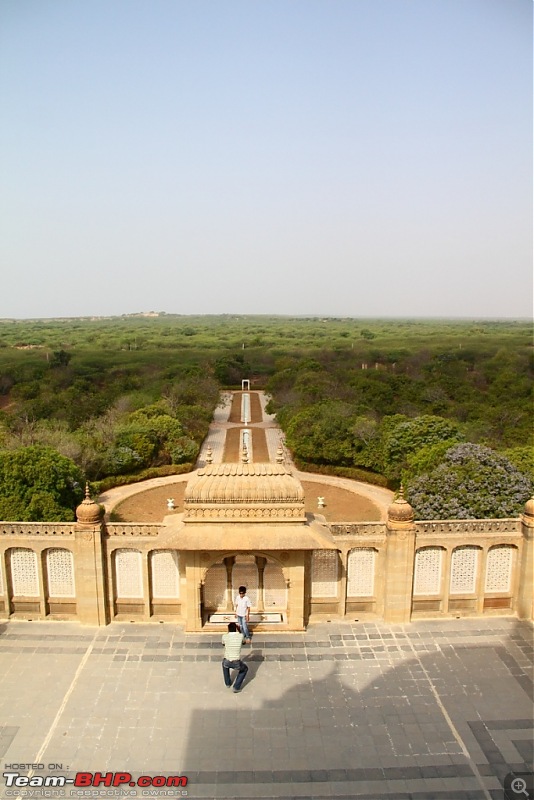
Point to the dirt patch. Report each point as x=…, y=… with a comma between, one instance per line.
x=260, y=451
x=341, y=505
x=150, y=505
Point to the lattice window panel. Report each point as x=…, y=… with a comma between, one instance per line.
x=361, y=572
x=24, y=574
x=60, y=571
x=274, y=587
x=245, y=573
x=165, y=573
x=499, y=569
x=427, y=570
x=464, y=562
x=128, y=573
x=325, y=571
x=215, y=587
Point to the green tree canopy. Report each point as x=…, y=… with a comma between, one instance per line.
x=38, y=484
x=322, y=433
x=146, y=436
x=426, y=459
x=400, y=437
x=523, y=459
x=230, y=370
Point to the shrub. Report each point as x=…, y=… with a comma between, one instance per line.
x=472, y=482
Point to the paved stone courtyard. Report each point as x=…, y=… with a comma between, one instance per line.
x=431, y=709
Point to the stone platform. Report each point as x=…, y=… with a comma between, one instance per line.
x=354, y=711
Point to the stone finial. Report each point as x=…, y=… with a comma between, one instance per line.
x=529, y=508
x=279, y=455
x=320, y=502
x=400, y=510
x=209, y=455
x=89, y=512
x=244, y=457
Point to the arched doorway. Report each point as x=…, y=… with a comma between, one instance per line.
x=262, y=575
x=245, y=573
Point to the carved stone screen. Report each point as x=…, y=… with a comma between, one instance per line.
x=361, y=572
x=165, y=574
x=274, y=587
x=128, y=573
x=24, y=575
x=464, y=562
x=427, y=571
x=245, y=573
x=325, y=568
x=215, y=587
x=60, y=572
x=499, y=569
x=1, y=580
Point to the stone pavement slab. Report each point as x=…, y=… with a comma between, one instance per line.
x=432, y=709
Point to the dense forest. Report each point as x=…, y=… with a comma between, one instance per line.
x=431, y=403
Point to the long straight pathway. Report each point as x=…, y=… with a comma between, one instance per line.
x=424, y=711
x=215, y=442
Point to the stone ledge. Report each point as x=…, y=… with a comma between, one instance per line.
x=268, y=617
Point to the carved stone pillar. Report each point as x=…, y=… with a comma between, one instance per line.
x=525, y=596
x=92, y=601
x=400, y=551
x=192, y=608
x=261, y=564
x=342, y=582
x=229, y=564
x=295, y=590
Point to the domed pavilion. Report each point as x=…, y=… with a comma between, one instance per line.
x=245, y=523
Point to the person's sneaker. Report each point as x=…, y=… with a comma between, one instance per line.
x=236, y=691
x=248, y=641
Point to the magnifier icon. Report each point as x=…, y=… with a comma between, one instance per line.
x=519, y=786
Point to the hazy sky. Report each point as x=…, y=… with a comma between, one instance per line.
x=332, y=157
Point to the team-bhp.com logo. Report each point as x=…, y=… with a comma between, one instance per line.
x=91, y=780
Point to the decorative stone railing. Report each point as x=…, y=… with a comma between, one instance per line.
x=131, y=529
x=469, y=526
x=15, y=529
x=465, y=526
x=253, y=512
x=358, y=529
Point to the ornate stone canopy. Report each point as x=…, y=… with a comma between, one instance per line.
x=243, y=493
x=246, y=506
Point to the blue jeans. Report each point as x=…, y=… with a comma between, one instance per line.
x=244, y=627
x=241, y=666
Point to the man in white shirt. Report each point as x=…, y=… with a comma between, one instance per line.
x=242, y=612
x=232, y=642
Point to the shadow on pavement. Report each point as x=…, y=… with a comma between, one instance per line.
x=448, y=724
